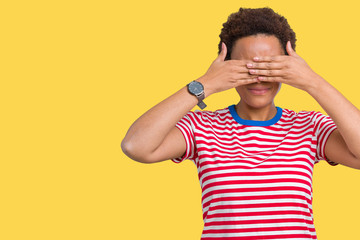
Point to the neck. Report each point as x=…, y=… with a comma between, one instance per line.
x=257, y=114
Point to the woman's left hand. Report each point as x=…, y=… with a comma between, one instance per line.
x=289, y=69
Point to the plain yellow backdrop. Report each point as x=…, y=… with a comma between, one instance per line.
x=76, y=74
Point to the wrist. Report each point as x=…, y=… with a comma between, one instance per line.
x=196, y=89
x=314, y=83
x=207, y=88
x=317, y=84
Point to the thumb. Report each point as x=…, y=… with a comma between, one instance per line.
x=223, y=52
x=290, y=50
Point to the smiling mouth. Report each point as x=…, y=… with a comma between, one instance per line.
x=259, y=91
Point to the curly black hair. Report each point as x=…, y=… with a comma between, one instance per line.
x=253, y=21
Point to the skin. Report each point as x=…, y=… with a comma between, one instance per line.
x=257, y=99
x=343, y=144
x=154, y=138
x=257, y=62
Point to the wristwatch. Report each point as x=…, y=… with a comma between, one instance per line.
x=197, y=89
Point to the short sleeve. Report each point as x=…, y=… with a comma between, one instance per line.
x=187, y=127
x=323, y=127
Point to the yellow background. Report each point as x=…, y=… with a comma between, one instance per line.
x=76, y=74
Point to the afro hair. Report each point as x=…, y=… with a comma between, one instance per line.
x=253, y=21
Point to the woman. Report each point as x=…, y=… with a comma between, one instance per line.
x=255, y=160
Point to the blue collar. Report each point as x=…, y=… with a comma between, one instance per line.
x=255, y=122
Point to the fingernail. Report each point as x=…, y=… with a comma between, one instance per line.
x=260, y=78
x=249, y=65
x=256, y=59
x=252, y=71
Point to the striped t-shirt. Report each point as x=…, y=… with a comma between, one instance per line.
x=256, y=176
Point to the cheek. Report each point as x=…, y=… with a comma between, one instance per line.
x=278, y=86
x=240, y=90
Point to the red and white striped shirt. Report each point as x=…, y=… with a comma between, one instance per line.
x=256, y=176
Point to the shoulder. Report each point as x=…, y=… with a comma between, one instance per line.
x=302, y=118
x=304, y=114
x=219, y=115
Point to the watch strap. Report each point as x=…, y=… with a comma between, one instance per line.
x=201, y=105
x=200, y=97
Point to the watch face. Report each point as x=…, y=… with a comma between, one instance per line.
x=196, y=88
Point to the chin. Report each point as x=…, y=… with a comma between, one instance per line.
x=258, y=104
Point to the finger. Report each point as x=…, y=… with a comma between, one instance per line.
x=271, y=79
x=267, y=72
x=223, y=52
x=239, y=62
x=247, y=81
x=237, y=66
x=265, y=65
x=241, y=76
x=278, y=58
x=240, y=69
x=290, y=50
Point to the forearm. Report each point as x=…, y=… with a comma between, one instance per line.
x=147, y=133
x=345, y=115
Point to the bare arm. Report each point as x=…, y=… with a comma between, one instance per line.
x=342, y=145
x=154, y=137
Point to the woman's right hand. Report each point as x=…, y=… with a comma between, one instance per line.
x=223, y=75
x=154, y=137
